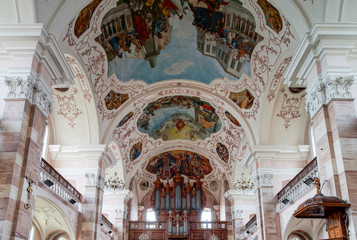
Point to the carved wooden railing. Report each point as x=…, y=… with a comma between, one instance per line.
x=299, y=184
x=196, y=230
x=251, y=225
x=153, y=230
x=58, y=184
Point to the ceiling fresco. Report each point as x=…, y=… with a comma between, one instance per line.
x=152, y=40
x=179, y=117
x=168, y=164
x=235, y=57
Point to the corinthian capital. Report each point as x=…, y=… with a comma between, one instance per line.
x=331, y=87
x=27, y=88
x=20, y=87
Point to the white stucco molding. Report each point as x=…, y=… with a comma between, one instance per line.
x=324, y=38
x=333, y=87
x=271, y=152
x=20, y=44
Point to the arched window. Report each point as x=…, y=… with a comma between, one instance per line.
x=150, y=215
x=206, y=217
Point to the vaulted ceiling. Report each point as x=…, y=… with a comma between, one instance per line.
x=179, y=80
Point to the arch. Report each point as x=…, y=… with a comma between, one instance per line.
x=299, y=235
x=51, y=220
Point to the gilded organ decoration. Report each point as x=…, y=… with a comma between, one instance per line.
x=114, y=100
x=243, y=99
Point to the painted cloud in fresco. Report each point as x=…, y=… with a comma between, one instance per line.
x=178, y=67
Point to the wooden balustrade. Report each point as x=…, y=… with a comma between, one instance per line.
x=196, y=230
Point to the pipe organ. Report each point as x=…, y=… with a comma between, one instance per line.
x=178, y=203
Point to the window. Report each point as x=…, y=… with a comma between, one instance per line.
x=45, y=144
x=312, y=141
x=32, y=233
x=150, y=217
x=208, y=48
x=206, y=217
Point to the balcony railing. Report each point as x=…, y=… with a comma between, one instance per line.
x=106, y=225
x=142, y=225
x=58, y=184
x=299, y=184
x=251, y=225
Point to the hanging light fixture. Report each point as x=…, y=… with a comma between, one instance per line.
x=243, y=183
x=114, y=183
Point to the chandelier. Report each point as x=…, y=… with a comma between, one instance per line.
x=243, y=183
x=114, y=183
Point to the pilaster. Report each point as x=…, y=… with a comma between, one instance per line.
x=236, y=199
x=334, y=124
x=92, y=205
x=22, y=132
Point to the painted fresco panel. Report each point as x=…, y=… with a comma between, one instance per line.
x=168, y=164
x=179, y=117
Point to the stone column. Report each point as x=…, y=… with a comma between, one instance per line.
x=121, y=212
x=92, y=204
x=222, y=202
x=334, y=123
x=237, y=213
x=22, y=130
x=265, y=205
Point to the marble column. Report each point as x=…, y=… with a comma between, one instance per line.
x=92, y=204
x=237, y=213
x=334, y=123
x=121, y=212
x=22, y=130
x=265, y=205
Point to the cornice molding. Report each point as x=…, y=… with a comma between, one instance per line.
x=337, y=38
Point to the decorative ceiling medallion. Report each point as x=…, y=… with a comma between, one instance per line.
x=272, y=15
x=136, y=150
x=114, y=100
x=232, y=119
x=144, y=185
x=84, y=17
x=222, y=152
x=168, y=164
x=243, y=99
x=213, y=186
x=179, y=117
x=125, y=119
